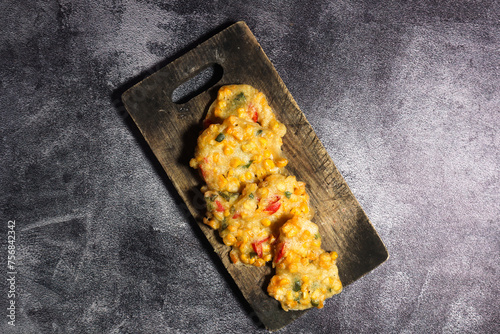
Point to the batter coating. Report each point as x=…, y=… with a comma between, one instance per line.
x=245, y=102
x=250, y=221
x=305, y=274
x=237, y=152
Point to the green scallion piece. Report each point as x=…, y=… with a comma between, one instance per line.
x=296, y=285
x=220, y=137
x=240, y=96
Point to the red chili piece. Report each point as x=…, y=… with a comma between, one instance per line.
x=220, y=208
x=253, y=113
x=280, y=253
x=273, y=206
x=257, y=246
x=203, y=173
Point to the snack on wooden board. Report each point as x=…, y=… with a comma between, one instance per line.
x=261, y=212
x=305, y=274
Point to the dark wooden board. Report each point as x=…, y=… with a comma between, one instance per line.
x=171, y=131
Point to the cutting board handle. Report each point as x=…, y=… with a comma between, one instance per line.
x=198, y=81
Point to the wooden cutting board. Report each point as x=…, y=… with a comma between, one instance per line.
x=171, y=130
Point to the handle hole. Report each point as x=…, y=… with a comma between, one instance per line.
x=203, y=80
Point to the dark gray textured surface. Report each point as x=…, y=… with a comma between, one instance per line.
x=404, y=95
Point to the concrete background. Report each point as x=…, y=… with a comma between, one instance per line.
x=403, y=94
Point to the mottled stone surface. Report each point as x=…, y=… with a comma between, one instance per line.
x=403, y=94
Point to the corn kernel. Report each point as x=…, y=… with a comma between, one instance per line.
x=260, y=172
x=292, y=232
x=305, y=235
x=244, y=258
x=305, y=279
x=227, y=213
x=274, y=125
x=281, y=162
x=221, y=94
x=217, y=111
x=267, y=257
x=259, y=262
x=266, y=222
x=221, y=181
x=257, y=158
x=248, y=176
x=305, y=294
x=337, y=285
x=269, y=164
x=325, y=265
x=239, y=135
x=284, y=281
x=312, y=256
x=222, y=104
x=264, y=192
x=241, y=112
x=324, y=257
x=246, y=147
x=263, y=141
x=286, y=227
x=213, y=224
x=248, y=205
x=266, y=248
x=242, y=247
x=232, y=120
x=229, y=240
x=304, y=207
x=334, y=255
x=228, y=150
x=249, y=132
x=251, y=260
x=235, y=162
x=231, y=130
x=297, y=191
x=210, y=222
x=234, y=183
x=216, y=157
x=293, y=268
x=267, y=153
x=275, y=280
x=232, y=228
